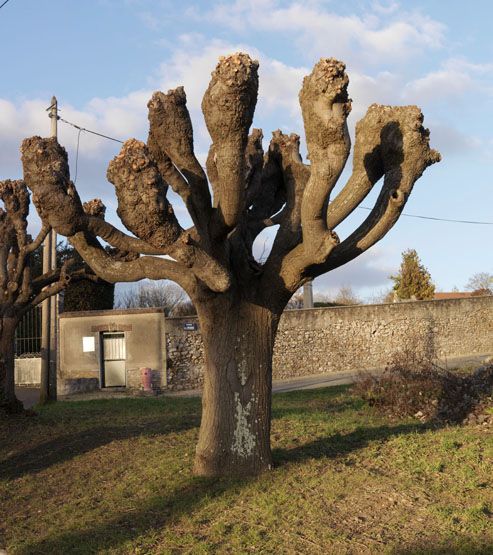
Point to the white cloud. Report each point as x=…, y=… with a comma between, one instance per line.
x=116, y=117
x=385, y=8
x=368, y=38
x=451, y=141
x=192, y=63
x=368, y=272
x=455, y=79
x=26, y=118
x=383, y=88
x=149, y=20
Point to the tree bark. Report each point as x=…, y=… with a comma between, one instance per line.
x=234, y=434
x=8, y=401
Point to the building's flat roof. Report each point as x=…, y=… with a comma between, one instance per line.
x=113, y=312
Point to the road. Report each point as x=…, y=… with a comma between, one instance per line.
x=339, y=378
x=30, y=395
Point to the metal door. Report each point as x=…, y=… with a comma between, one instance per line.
x=114, y=359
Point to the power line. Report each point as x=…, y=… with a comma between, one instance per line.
x=3, y=4
x=89, y=131
x=436, y=219
x=77, y=156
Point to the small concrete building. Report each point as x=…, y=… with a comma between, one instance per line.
x=107, y=348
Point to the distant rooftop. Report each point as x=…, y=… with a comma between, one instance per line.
x=452, y=295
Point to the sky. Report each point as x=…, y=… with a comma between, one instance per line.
x=104, y=58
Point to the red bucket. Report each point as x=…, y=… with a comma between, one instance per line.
x=146, y=376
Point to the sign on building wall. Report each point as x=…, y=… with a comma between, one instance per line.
x=88, y=345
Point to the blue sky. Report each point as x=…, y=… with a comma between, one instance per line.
x=103, y=59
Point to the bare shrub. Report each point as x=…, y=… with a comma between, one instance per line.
x=480, y=283
x=346, y=297
x=413, y=384
x=184, y=308
x=296, y=301
x=153, y=295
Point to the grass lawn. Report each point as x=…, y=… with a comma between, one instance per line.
x=114, y=476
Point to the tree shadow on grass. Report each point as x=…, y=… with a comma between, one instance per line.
x=340, y=445
x=332, y=400
x=327, y=408
x=66, y=447
x=119, y=528
x=161, y=511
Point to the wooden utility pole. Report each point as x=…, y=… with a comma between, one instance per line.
x=48, y=308
x=54, y=299
x=44, y=394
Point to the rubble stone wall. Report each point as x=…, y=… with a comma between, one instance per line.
x=325, y=340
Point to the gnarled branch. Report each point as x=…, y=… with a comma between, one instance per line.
x=170, y=143
x=147, y=267
x=325, y=107
x=142, y=206
x=38, y=241
x=46, y=173
x=296, y=175
x=228, y=106
x=402, y=154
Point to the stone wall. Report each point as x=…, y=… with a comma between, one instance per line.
x=185, y=356
x=324, y=340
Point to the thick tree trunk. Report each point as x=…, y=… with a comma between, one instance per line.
x=8, y=401
x=236, y=405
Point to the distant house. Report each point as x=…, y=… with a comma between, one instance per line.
x=441, y=296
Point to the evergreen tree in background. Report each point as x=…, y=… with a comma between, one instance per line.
x=413, y=280
x=81, y=295
x=84, y=294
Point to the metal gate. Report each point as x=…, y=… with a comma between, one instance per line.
x=28, y=334
x=113, y=359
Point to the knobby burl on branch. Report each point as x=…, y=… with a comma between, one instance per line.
x=244, y=191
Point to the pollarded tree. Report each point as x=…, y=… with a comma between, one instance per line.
x=239, y=301
x=20, y=290
x=413, y=280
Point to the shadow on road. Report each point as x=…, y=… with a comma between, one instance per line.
x=29, y=396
